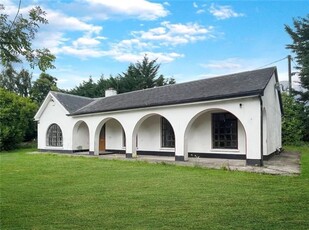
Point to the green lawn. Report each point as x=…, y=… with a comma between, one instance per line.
x=45, y=191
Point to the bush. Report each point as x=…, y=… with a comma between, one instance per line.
x=16, y=119
x=293, y=120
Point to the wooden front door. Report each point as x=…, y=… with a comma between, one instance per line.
x=102, y=140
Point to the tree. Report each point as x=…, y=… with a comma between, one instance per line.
x=300, y=47
x=19, y=83
x=16, y=39
x=292, y=123
x=143, y=75
x=23, y=83
x=42, y=86
x=16, y=119
x=86, y=89
x=8, y=78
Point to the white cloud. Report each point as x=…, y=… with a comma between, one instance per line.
x=82, y=52
x=162, y=57
x=166, y=3
x=227, y=64
x=174, y=34
x=141, y=9
x=195, y=5
x=200, y=11
x=60, y=21
x=223, y=12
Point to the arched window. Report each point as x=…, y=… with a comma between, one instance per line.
x=54, y=136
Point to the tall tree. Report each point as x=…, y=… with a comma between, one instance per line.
x=19, y=83
x=8, y=78
x=143, y=75
x=300, y=47
x=16, y=39
x=42, y=86
x=23, y=83
x=86, y=89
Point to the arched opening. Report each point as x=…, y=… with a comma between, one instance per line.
x=54, y=136
x=154, y=135
x=109, y=137
x=80, y=137
x=216, y=133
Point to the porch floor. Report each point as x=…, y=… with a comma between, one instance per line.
x=286, y=163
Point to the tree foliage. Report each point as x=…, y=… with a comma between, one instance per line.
x=42, y=86
x=141, y=75
x=16, y=39
x=300, y=47
x=293, y=120
x=20, y=83
x=16, y=119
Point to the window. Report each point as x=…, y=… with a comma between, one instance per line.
x=54, y=136
x=224, y=131
x=168, y=136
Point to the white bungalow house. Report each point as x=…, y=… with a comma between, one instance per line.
x=236, y=116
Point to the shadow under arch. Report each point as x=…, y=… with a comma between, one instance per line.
x=159, y=149
x=100, y=132
x=211, y=111
x=80, y=137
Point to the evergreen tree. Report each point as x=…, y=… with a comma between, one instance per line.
x=300, y=47
x=42, y=86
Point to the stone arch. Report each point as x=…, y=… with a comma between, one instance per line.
x=155, y=146
x=242, y=134
x=80, y=137
x=116, y=137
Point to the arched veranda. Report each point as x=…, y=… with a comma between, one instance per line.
x=215, y=133
x=109, y=137
x=153, y=134
x=80, y=136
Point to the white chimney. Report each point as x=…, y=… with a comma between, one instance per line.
x=110, y=92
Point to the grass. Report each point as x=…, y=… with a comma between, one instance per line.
x=42, y=191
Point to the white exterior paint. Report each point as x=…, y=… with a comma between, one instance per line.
x=191, y=123
x=271, y=118
x=200, y=137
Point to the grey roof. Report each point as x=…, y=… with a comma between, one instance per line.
x=233, y=85
x=72, y=102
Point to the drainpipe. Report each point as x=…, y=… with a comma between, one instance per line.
x=261, y=106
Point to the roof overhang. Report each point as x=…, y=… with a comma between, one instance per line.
x=48, y=98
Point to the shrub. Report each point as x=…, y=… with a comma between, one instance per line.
x=16, y=119
x=293, y=122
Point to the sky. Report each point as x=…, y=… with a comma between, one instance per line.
x=191, y=40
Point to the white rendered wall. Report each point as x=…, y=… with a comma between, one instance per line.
x=271, y=106
x=113, y=135
x=146, y=123
x=200, y=137
x=149, y=134
x=247, y=110
x=55, y=113
x=81, y=137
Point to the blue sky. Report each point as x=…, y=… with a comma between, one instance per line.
x=191, y=39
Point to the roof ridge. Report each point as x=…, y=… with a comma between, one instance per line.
x=187, y=82
x=71, y=95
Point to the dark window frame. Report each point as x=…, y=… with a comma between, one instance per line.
x=167, y=134
x=224, y=131
x=54, y=136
